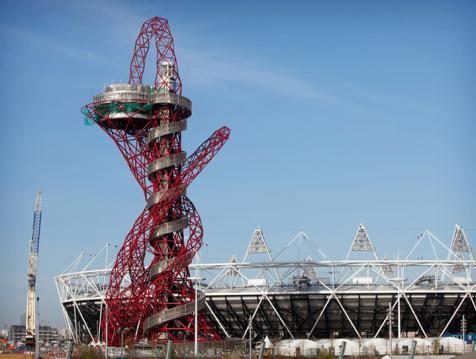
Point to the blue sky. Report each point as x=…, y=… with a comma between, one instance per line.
x=341, y=113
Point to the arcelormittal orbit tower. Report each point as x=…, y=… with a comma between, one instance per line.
x=156, y=298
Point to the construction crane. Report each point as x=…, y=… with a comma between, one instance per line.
x=34, y=245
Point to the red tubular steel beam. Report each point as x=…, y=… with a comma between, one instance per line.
x=154, y=299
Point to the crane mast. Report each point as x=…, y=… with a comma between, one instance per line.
x=34, y=245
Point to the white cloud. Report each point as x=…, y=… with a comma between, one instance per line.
x=56, y=49
x=215, y=69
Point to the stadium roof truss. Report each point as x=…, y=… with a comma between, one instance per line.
x=81, y=292
x=306, y=297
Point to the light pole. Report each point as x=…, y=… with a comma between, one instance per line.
x=196, y=308
x=196, y=280
x=105, y=303
x=48, y=335
x=196, y=320
x=107, y=324
x=122, y=330
x=390, y=326
x=251, y=326
x=463, y=329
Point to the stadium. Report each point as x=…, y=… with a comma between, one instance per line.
x=310, y=297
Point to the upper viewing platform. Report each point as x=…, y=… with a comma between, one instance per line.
x=128, y=93
x=124, y=93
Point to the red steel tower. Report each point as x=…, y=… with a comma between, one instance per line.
x=155, y=298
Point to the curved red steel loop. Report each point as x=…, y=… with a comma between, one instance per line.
x=130, y=259
x=159, y=293
x=164, y=43
x=131, y=146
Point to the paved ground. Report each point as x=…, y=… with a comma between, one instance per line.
x=445, y=356
x=471, y=355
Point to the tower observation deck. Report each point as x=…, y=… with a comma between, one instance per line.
x=155, y=299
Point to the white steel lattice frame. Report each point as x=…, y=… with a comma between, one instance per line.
x=281, y=278
x=79, y=286
x=428, y=277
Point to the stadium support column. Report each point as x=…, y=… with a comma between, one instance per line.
x=399, y=315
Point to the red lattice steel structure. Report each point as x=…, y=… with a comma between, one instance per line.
x=146, y=123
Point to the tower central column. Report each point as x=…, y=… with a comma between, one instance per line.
x=146, y=122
